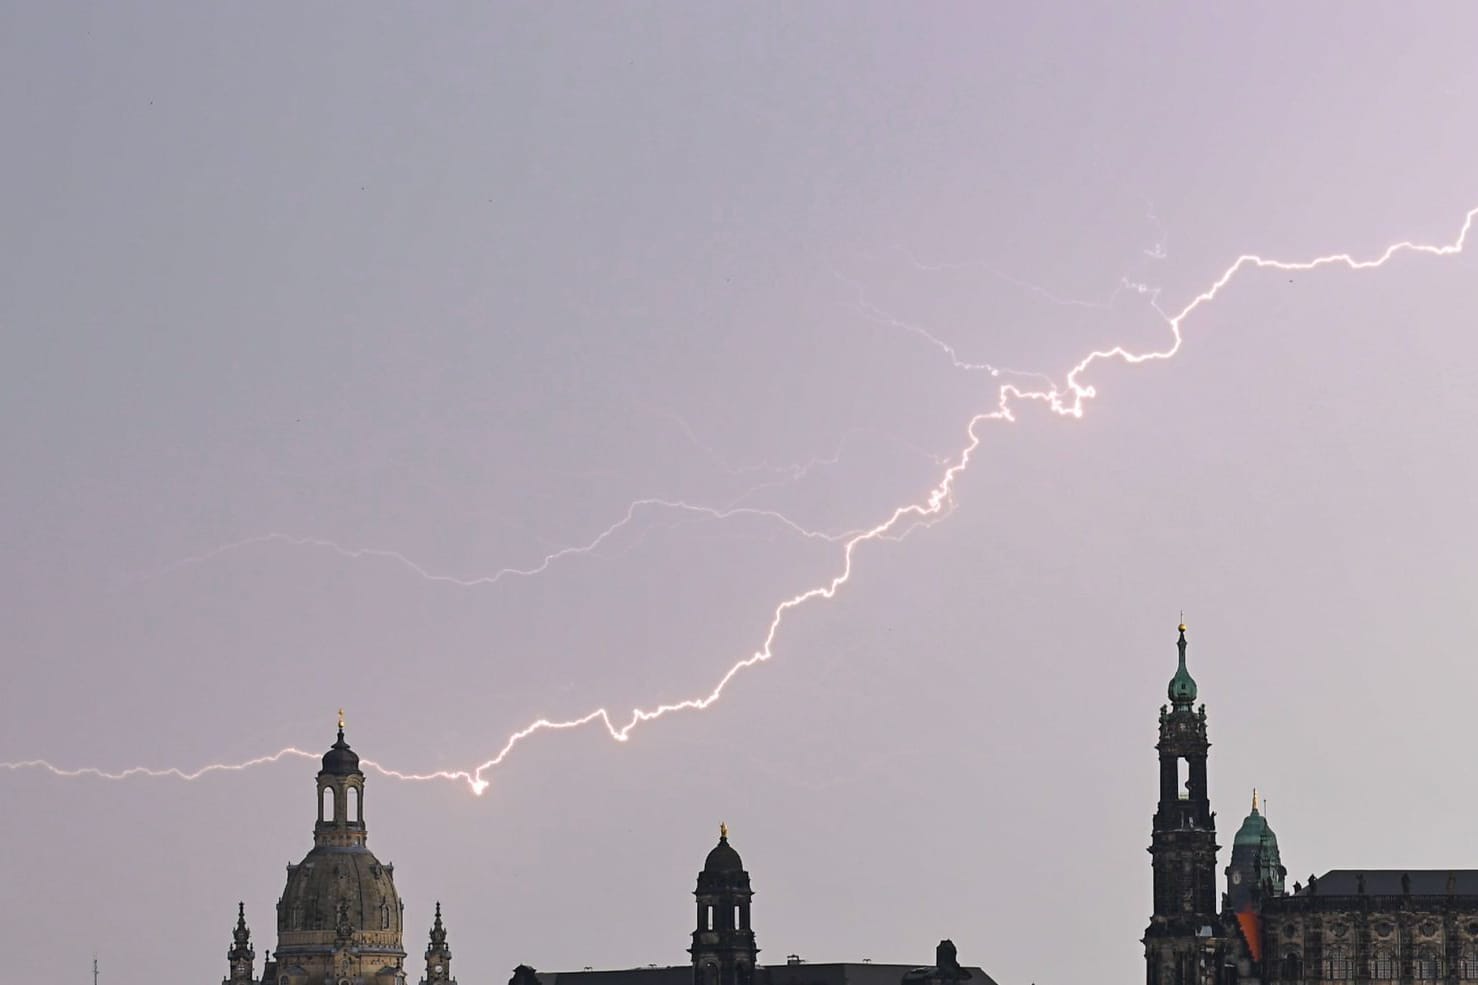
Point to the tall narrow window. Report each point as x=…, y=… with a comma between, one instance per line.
x=354, y=814
x=326, y=809
x=1337, y=963
x=1183, y=777
x=738, y=924
x=710, y=918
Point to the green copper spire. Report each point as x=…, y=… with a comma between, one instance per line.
x=1182, y=688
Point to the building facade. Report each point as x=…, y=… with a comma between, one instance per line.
x=1373, y=926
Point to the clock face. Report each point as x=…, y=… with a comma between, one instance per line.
x=1236, y=878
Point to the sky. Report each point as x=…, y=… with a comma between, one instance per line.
x=323, y=326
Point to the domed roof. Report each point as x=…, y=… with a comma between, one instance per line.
x=1254, y=831
x=1182, y=689
x=340, y=760
x=334, y=887
x=723, y=858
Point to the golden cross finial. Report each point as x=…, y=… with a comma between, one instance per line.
x=1254, y=798
x=723, y=830
x=341, y=719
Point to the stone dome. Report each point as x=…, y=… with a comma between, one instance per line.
x=338, y=889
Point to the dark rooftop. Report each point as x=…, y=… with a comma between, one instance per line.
x=1387, y=882
x=836, y=973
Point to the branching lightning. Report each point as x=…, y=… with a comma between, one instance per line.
x=1067, y=400
x=543, y=565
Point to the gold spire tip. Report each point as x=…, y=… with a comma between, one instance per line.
x=723, y=830
x=341, y=718
x=1254, y=798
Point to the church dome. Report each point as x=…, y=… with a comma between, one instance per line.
x=335, y=889
x=340, y=760
x=339, y=917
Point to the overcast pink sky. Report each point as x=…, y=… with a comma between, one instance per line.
x=463, y=283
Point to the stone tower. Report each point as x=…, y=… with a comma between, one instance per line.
x=1256, y=870
x=339, y=918
x=239, y=958
x=1183, y=941
x=723, y=943
x=438, y=955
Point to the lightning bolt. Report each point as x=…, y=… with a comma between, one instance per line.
x=1069, y=400
x=543, y=565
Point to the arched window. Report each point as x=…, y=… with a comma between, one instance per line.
x=1470, y=962
x=710, y=917
x=354, y=813
x=326, y=808
x=1293, y=965
x=1382, y=965
x=1337, y=963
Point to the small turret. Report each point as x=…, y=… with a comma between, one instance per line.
x=1182, y=689
x=340, y=796
x=241, y=955
x=438, y=955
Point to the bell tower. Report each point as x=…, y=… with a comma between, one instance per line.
x=438, y=955
x=1182, y=942
x=723, y=947
x=241, y=955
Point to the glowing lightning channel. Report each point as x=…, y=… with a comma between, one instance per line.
x=595, y=543
x=1067, y=401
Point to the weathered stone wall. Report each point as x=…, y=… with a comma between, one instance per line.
x=1371, y=939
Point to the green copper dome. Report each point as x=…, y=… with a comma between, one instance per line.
x=1182, y=688
x=1255, y=831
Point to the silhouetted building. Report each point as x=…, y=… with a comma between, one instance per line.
x=723, y=942
x=724, y=951
x=1375, y=927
